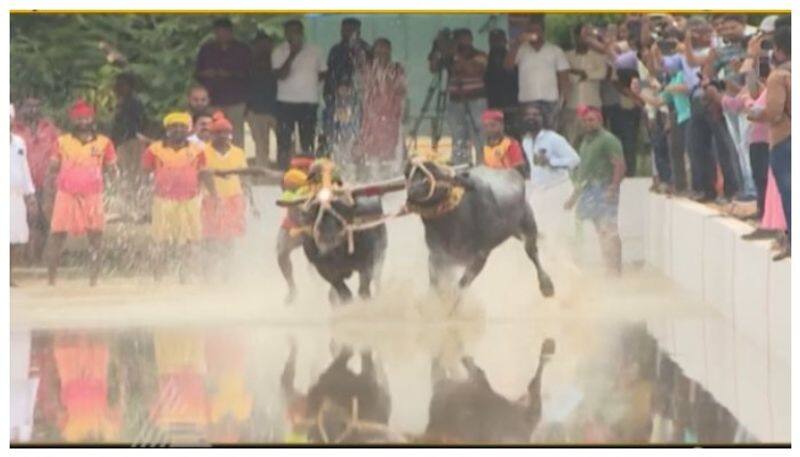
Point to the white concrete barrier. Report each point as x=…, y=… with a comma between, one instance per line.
x=738, y=344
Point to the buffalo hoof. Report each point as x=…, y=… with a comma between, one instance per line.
x=546, y=286
x=333, y=297
x=469, y=364
x=290, y=297
x=548, y=347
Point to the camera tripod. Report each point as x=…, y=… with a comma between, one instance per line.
x=437, y=91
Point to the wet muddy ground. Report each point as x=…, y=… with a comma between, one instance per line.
x=132, y=361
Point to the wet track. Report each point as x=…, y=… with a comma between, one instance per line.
x=135, y=362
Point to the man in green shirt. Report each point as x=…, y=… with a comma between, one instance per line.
x=598, y=177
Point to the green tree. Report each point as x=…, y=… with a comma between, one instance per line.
x=61, y=57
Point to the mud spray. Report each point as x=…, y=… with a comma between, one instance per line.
x=501, y=321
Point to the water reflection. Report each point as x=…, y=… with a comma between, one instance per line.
x=195, y=386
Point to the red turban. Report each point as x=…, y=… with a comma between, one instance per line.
x=584, y=110
x=219, y=123
x=80, y=109
x=492, y=115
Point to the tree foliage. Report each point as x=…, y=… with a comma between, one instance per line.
x=60, y=57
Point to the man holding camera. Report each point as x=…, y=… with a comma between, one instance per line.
x=465, y=67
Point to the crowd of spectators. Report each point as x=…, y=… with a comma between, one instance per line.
x=705, y=97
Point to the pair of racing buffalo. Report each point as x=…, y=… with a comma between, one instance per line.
x=345, y=407
x=466, y=214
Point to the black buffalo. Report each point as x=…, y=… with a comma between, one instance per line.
x=470, y=411
x=336, y=251
x=343, y=406
x=492, y=209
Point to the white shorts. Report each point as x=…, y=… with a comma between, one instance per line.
x=553, y=221
x=18, y=219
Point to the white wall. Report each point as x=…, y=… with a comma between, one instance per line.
x=737, y=345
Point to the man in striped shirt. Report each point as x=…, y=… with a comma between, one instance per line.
x=465, y=67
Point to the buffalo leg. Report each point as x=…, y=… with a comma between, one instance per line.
x=364, y=280
x=535, y=386
x=438, y=373
x=476, y=374
x=529, y=233
x=287, y=377
x=368, y=365
x=436, y=270
x=340, y=362
x=473, y=270
x=377, y=271
x=343, y=294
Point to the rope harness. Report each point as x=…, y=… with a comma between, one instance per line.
x=353, y=423
x=454, y=196
x=455, y=192
x=325, y=193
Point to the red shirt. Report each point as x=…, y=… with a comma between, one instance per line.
x=41, y=144
x=506, y=154
x=81, y=164
x=176, y=171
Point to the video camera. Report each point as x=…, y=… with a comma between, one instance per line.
x=443, y=47
x=444, y=42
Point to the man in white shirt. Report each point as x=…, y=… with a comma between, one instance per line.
x=22, y=191
x=543, y=68
x=299, y=68
x=551, y=158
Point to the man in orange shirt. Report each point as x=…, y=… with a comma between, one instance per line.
x=178, y=167
x=500, y=150
x=78, y=208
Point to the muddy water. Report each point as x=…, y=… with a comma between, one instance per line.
x=136, y=362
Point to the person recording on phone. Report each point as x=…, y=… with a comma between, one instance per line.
x=751, y=97
x=708, y=138
x=466, y=67
x=588, y=68
x=543, y=68
x=299, y=68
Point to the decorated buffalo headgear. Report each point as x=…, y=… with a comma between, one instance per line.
x=423, y=162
